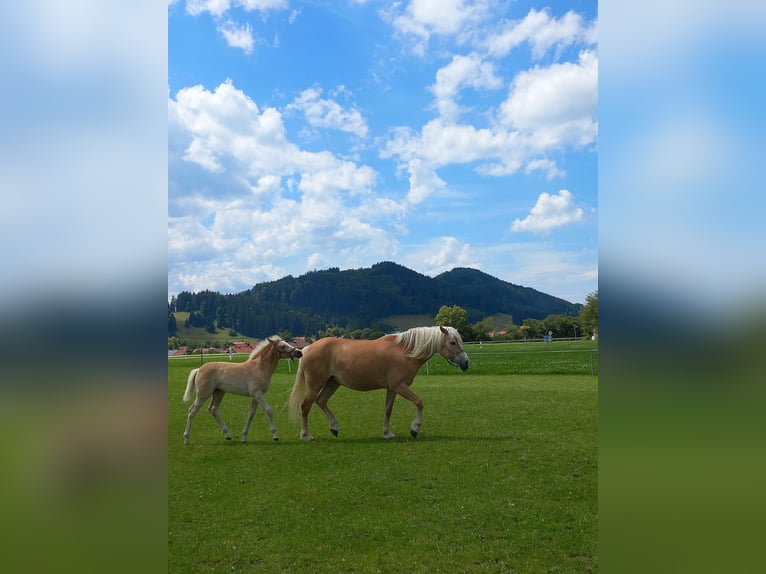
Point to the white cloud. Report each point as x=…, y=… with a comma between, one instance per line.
x=218, y=8
x=441, y=144
x=244, y=200
x=542, y=32
x=439, y=255
x=213, y=7
x=423, y=181
x=556, y=106
x=544, y=165
x=251, y=5
x=548, y=108
x=463, y=71
x=237, y=36
x=550, y=212
x=326, y=113
x=422, y=18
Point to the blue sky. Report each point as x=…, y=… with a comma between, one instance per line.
x=435, y=133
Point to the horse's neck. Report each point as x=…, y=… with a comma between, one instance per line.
x=268, y=358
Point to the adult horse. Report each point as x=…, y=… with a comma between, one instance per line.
x=251, y=378
x=390, y=362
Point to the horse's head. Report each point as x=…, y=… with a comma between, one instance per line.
x=285, y=349
x=452, y=349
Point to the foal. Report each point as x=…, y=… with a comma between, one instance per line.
x=251, y=378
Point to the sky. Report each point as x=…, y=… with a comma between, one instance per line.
x=436, y=134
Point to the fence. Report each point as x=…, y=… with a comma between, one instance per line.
x=558, y=358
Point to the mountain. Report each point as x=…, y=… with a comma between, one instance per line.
x=360, y=298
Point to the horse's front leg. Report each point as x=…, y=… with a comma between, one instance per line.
x=390, y=396
x=250, y=415
x=259, y=396
x=407, y=393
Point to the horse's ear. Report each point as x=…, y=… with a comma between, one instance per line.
x=443, y=330
x=273, y=339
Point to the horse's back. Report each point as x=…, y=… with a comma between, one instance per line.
x=356, y=363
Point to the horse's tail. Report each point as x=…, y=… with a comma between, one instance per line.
x=189, y=393
x=299, y=392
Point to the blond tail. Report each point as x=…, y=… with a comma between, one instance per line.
x=298, y=394
x=189, y=393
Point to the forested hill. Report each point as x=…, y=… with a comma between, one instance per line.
x=360, y=298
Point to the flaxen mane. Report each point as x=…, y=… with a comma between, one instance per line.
x=423, y=342
x=258, y=349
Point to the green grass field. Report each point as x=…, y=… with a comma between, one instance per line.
x=503, y=477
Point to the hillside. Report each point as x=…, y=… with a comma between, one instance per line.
x=360, y=298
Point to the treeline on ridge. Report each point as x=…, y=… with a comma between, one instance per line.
x=360, y=299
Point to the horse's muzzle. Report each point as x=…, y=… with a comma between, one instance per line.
x=296, y=354
x=463, y=361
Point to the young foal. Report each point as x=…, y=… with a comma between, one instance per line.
x=390, y=362
x=251, y=378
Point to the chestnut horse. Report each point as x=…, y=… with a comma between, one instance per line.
x=390, y=362
x=251, y=378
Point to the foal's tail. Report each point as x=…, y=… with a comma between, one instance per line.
x=189, y=393
x=298, y=394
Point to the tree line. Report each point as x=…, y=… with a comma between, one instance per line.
x=357, y=299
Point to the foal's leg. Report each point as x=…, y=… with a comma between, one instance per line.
x=259, y=397
x=195, y=406
x=213, y=409
x=250, y=414
x=390, y=396
x=407, y=393
x=324, y=396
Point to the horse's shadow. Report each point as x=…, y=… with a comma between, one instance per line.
x=372, y=440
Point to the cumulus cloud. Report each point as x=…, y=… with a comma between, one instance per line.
x=555, y=106
x=423, y=18
x=325, y=113
x=237, y=36
x=217, y=8
x=547, y=109
x=463, y=71
x=242, y=196
x=441, y=254
x=550, y=212
x=542, y=32
x=213, y=7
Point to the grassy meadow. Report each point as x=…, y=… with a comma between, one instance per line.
x=503, y=477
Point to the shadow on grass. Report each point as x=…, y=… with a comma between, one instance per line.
x=372, y=440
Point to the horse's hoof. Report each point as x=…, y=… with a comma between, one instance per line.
x=334, y=432
x=276, y=439
x=413, y=433
x=228, y=438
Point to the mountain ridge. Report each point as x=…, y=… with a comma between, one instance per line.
x=360, y=298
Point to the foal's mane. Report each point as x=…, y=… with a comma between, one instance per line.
x=259, y=348
x=423, y=342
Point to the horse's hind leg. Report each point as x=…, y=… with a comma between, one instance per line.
x=390, y=396
x=324, y=396
x=311, y=396
x=195, y=406
x=213, y=409
x=260, y=399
